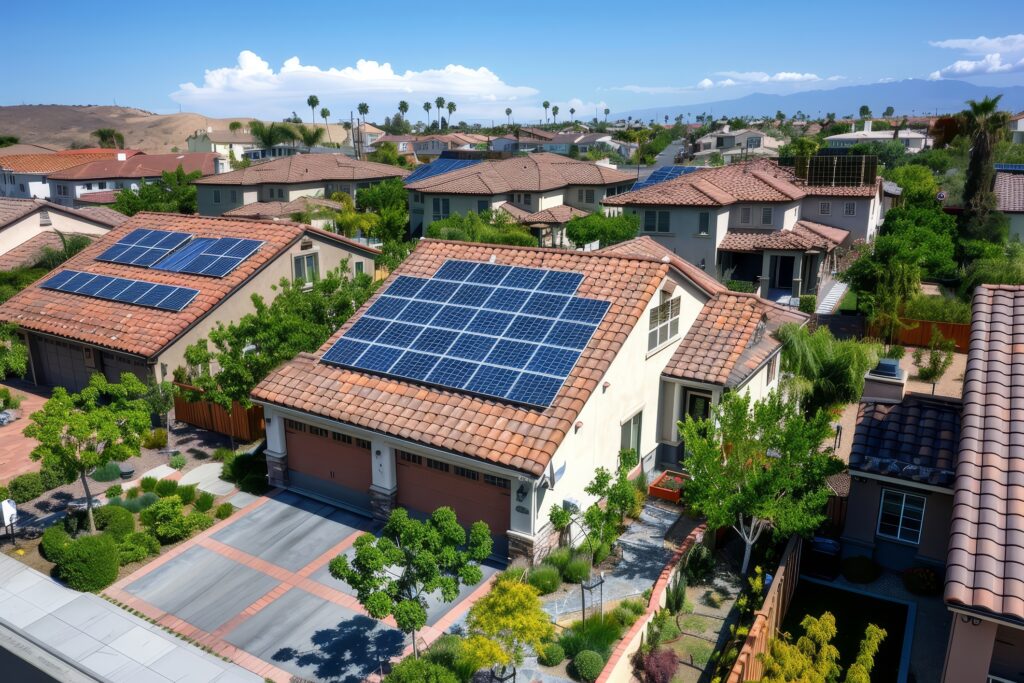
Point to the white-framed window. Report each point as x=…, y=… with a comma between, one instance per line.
x=102, y=185
x=579, y=195
x=656, y=221
x=441, y=208
x=753, y=142
x=825, y=208
x=664, y=324
x=745, y=214
x=900, y=516
x=630, y=433
x=704, y=223
x=766, y=215
x=850, y=208
x=359, y=267
x=216, y=196
x=307, y=267
x=590, y=196
x=528, y=199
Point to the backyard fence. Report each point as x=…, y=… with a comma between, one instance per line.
x=244, y=424
x=748, y=666
x=919, y=333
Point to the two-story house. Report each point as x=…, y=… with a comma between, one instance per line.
x=228, y=143
x=1016, y=126
x=912, y=140
x=287, y=179
x=26, y=176
x=74, y=186
x=735, y=144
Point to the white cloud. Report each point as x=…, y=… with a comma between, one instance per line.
x=653, y=89
x=729, y=79
x=706, y=83
x=989, y=64
x=734, y=77
x=983, y=45
x=253, y=87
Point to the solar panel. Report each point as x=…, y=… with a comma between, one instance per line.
x=1010, y=168
x=660, y=175
x=124, y=290
x=144, y=247
x=215, y=257
x=437, y=168
x=511, y=333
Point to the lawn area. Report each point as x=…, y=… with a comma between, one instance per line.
x=849, y=303
x=853, y=613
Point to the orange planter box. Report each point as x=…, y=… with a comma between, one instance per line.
x=668, y=486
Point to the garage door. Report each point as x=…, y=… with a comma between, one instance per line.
x=425, y=484
x=114, y=364
x=59, y=363
x=329, y=464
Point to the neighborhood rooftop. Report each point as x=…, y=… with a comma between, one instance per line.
x=306, y=168
x=140, y=166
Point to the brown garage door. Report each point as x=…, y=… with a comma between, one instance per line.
x=59, y=363
x=425, y=484
x=329, y=464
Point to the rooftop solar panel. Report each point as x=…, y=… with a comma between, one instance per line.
x=1010, y=168
x=437, y=168
x=209, y=256
x=510, y=333
x=660, y=175
x=124, y=290
x=144, y=247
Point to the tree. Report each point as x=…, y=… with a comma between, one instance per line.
x=486, y=227
x=896, y=285
x=939, y=358
x=814, y=658
x=235, y=126
x=917, y=183
x=889, y=153
x=606, y=112
x=109, y=138
x=985, y=125
x=325, y=114
x=758, y=467
x=780, y=116
x=268, y=135
x=387, y=194
x=312, y=102
x=393, y=573
x=78, y=432
x=800, y=147
x=403, y=108
x=503, y=623
x=8, y=140
x=554, y=113
x=716, y=159
x=889, y=111
x=597, y=227
x=865, y=111
x=310, y=136
x=70, y=245
x=508, y=115
x=451, y=110
x=387, y=153
x=173, y=192
x=13, y=352
x=572, y=114
x=426, y=108
x=439, y=103
x=1003, y=268
x=546, y=105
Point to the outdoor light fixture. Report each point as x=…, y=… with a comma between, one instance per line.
x=521, y=493
x=579, y=425
x=605, y=386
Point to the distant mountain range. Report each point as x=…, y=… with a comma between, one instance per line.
x=909, y=97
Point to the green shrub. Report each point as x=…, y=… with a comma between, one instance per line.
x=9, y=401
x=623, y=616
x=75, y=520
x=514, y=574
x=602, y=552
x=53, y=543
x=187, y=494
x=132, y=493
x=937, y=309
x=740, y=286
x=204, y=502
x=89, y=563
x=860, y=569
x=107, y=472
x=53, y=479
x=414, y=670
x=587, y=665
x=545, y=579
x=559, y=558
x=255, y=483
x=4, y=493
x=922, y=581
x=164, y=519
x=578, y=569
x=634, y=605
x=166, y=487
x=223, y=454
x=228, y=458
x=136, y=547
x=114, y=520
x=177, y=461
x=148, y=484
x=808, y=303
x=156, y=438
x=598, y=634
x=224, y=510
x=675, y=595
x=113, y=491
x=551, y=654
x=135, y=504
x=26, y=487
x=700, y=565
x=448, y=653
x=197, y=521
x=895, y=352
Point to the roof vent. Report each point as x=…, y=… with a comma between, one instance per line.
x=493, y=258
x=759, y=330
x=44, y=218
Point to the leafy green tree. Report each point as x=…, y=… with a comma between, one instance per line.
x=917, y=183
x=78, y=432
x=889, y=153
x=486, y=227
x=597, y=227
x=758, y=468
x=896, y=285
x=504, y=623
x=13, y=352
x=814, y=659
x=392, y=574
x=1004, y=267
x=312, y=102
x=865, y=111
x=939, y=358
x=267, y=135
x=889, y=111
x=311, y=136
x=546, y=105
x=109, y=138
x=387, y=194
x=173, y=192
x=554, y=113
x=387, y=153
x=615, y=498
x=8, y=140
x=716, y=159
x=235, y=126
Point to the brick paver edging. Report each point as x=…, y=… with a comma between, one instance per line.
x=630, y=642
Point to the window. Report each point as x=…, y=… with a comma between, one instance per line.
x=766, y=215
x=753, y=142
x=417, y=197
x=307, y=267
x=343, y=438
x=500, y=482
x=850, y=209
x=280, y=193
x=363, y=443
x=88, y=186
x=102, y=185
x=656, y=221
x=410, y=457
x=664, y=323
x=745, y=214
x=234, y=196
x=316, y=431
x=21, y=188
x=630, y=433
x=528, y=199
x=437, y=465
x=703, y=223
x=590, y=196
x=900, y=516
x=216, y=196
x=294, y=426
x=468, y=474
x=511, y=198
x=359, y=267
x=482, y=205
x=825, y=208
x=441, y=208
x=773, y=368
x=579, y=195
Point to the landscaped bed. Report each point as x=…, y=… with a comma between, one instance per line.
x=853, y=613
x=668, y=486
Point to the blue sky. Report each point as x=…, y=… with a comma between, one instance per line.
x=263, y=58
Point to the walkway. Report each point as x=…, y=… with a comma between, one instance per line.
x=15, y=446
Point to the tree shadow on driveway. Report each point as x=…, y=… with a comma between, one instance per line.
x=348, y=653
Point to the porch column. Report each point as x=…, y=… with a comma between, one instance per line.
x=277, y=448
x=798, y=274
x=969, y=652
x=384, y=489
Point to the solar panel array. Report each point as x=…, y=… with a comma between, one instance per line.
x=1010, y=168
x=143, y=247
x=210, y=256
x=125, y=290
x=501, y=331
x=438, y=167
x=660, y=175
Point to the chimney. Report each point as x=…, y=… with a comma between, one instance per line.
x=122, y=156
x=885, y=383
x=867, y=126
x=209, y=129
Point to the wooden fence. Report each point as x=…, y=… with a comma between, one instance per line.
x=919, y=333
x=748, y=666
x=244, y=424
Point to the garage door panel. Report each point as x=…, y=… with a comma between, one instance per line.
x=424, y=489
x=329, y=468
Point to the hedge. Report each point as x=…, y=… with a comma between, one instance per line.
x=136, y=547
x=588, y=665
x=115, y=520
x=740, y=286
x=26, y=487
x=89, y=563
x=55, y=540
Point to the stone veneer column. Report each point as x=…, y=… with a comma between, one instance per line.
x=384, y=489
x=534, y=548
x=277, y=449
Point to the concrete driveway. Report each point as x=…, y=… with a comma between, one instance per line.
x=256, y=589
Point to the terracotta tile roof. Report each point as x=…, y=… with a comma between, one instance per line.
x=135, y=329
x=721, y=186
x=842, y=190
x=915, y=439
x=141, y=166
x=562, y=213
x=28, y=252
x=25, y=148
x=512, y=435
x=804, y=236
x=48, y=163
x=514, y=211
x=99, y=197
x=306, y=168
x=226, y=137
x=12, y=209
x=985, y=564
x=100, y=152
x=723, y=345
x=104, y=214
x=281, y=209
x=532, y=173
x=1009, y=190
x=647, y=247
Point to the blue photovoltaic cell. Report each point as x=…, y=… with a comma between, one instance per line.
x=662, y=174
x=215, y=258
x=1010, y=168
x=186, y=254
x=438, y=167
x=150, y=294
x=143, y=247
x=511, y=333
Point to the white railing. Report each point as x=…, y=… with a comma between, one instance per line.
x=998, y=679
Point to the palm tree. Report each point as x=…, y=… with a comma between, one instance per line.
x=451, y=110
x=109, y=138
x=403, y=108
x=440, y=105
x=606, y=112
x=666, y=119
x=985, y=125
x=268, y=135
x=546, y=105
x=235, y=126
x=508, y=115
x=325, y=114
x=310, y=136
x=554, y=113
x=426, y=108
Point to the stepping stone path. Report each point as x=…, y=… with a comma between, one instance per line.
x=207, y=478
x=706, y=628
x=242, y=499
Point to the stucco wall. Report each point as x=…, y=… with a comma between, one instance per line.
x=28, y=227
x=1016, y=226
x=862, y=225
x=683, y=237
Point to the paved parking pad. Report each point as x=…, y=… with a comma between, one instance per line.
x=291, y=531
x=318, y=640
x=202, y=587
